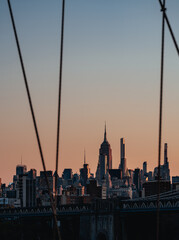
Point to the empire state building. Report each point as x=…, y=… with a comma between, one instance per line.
x=105, y=158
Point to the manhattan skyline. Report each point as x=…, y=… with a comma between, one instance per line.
x=111, y=73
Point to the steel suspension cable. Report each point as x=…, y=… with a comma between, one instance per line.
x=33, y=117
x=169, y=27
x=59, y=96
x=160, y=117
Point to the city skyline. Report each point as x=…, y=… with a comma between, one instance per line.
x=104, y=154
x=111, y=73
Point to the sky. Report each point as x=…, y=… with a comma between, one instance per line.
x=111, y=72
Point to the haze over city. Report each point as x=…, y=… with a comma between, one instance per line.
x=111, y=73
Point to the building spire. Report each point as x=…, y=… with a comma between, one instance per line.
x=84, y=156
x=165, y=154
x=105, y=132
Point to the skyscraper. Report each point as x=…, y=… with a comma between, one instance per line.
x=144, y=168
x=165, y=154
x=29, y=189
x=26, y=186
x=103, y=166
x=105, y=158
x=105, y=150
x=21, y=169
x=123, y=158
x=137, y=178
x=166, y=170
x=84, y=172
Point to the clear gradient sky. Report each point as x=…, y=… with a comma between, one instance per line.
x=111, y=73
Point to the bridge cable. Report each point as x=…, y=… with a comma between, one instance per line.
x=33, y=117
x=160, y=115
x=59, y=96
x=169, y=27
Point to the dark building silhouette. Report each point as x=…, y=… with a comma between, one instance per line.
x=11, y=194
x=21, y=169
x=84, y=172
x=151, y=187
x=123, y=158
x=164, y=169
x=67, y=174
x=144, y=168
x=115, y=173
x=103, y=166
x=105, y=150
x=137, y=179
x=175, y=183
x=26, y=188
x=43, y=184
x=93, y=189
x=105, y=158
x=31, y=188
x=18, y=182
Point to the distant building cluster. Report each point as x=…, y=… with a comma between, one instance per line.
x=30, y=190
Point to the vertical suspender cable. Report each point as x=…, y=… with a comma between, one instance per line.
x=160, y=117
x=33, y=116
x=164, y=18
x=59, y=97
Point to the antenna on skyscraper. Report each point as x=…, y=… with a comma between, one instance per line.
x=105, y=132
x=84, y=156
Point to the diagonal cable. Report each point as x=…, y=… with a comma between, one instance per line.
x=33, y=116
x=160, y=116
x=59, y=96
x=169, y=26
